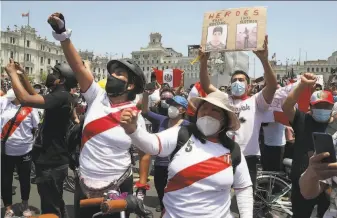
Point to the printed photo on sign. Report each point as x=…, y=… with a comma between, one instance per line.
x=216, y=38
x=246, y=36
x=237, y=29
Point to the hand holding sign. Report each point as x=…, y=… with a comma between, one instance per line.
x=204, y=56
x=263, y=54
x=128, y=120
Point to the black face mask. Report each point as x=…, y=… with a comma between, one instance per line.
x=51, y=78
x=115, y=87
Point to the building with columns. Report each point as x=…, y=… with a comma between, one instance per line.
x=155, y=55
x=39, y=55
x=322, y=67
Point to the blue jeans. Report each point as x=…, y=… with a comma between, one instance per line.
x=50, y=187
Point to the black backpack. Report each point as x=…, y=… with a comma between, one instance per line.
x=184, y=135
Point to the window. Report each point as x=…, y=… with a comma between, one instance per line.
x=148, y=62
x=327, y=70
x=41, y=60
x=152, y=61
x=147, y=68
x=317, y=70
x=12, y=54
x=143, y=68
x=308, y=69
x=12, y=40
x=164, y=62
x=166, y=67
x=157, y=61
x=99, y=70
x=162, y=68
x=57, y=52
x=49, y=61
x=312, y=70
x=56, y=61
x=49, y=49
x=28, y=43
x=322, y=69
x=28, y=57
x=41, y=71
x=94, y=69
x=27, y=69
x=103, y=71
x=278, y=76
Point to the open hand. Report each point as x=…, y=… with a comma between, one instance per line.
x=263, y=54
x=128, y=120
x=57, y=22
x=308, y=79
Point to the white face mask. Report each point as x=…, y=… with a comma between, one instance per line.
x=173, y=112
x=164, y=104
x=321, y=115
x=37, y=90
x=238, y=88
x=208, y=125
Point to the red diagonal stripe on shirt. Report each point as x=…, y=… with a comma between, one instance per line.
x=197, y=172
x=25, y=111
x=102, y=124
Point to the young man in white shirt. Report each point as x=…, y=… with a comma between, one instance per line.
x=250, y=110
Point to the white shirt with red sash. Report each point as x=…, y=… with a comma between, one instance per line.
x=21, y=138
x=105, y=146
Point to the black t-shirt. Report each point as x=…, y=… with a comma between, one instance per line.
x=57, y=118
x=304, y=125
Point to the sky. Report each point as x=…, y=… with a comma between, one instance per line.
x=122, y=27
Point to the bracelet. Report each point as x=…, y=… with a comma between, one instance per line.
x=142, y=186
x=63, y=36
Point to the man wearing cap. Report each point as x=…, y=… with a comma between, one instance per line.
x=304, y=124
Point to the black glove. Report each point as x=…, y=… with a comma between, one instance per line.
x=135, y=205
x=58, y=24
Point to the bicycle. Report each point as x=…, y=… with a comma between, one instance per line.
x=114, y=202
x=273, y=193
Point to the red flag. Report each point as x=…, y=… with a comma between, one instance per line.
x=25, y=14
x=172, y=77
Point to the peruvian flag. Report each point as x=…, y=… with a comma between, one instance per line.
x=281, y=95
x=172, y=77
x=25, y=14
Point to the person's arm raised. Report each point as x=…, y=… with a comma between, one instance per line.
x=269, y=75
x=288, y=107
x=24, y=80
x=83, y=75
x=204, y=77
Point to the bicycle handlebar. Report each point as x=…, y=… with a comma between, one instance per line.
x=91, y=202
x=114, y=206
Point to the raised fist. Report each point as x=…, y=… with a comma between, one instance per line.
x=128, y=120
x=57, y=22
x=308, y=79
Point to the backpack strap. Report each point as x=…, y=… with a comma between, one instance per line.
x=184, y=135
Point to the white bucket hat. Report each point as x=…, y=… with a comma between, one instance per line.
x=221, y=100
x=10, y=95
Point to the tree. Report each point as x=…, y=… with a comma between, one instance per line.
x=31, y=79
x=43, y=77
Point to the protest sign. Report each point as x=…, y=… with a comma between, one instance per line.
x=237, y=29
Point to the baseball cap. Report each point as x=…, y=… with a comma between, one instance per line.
x=321, y=96
x=180, y=100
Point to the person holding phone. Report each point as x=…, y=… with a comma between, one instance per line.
x=318, y=119
x=320, y=178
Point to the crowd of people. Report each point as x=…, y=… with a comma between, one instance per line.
x=206, y=141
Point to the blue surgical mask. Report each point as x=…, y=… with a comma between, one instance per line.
x=335, y=98
x=321, y=115
x=238, y=88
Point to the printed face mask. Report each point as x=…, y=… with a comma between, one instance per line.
x=238, y=88
x=321, y=115
x=208, y=125
x=173, y=112
x=115, y=87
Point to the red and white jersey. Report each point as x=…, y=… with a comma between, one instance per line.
x=105, y=145
x=200, y=178
x=21, y=138
x=253, y=111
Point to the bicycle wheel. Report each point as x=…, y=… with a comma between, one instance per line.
x=272, y=197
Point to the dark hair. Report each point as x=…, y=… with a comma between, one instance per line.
x=131, y=80
x=241, y=72
x=217, y=29
x=191, y=86
x=166, y=89
x=223, y=138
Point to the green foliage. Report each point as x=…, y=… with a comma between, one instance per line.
x=43, y=77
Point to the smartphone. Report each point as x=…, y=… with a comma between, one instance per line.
x=323, y=142
x=150, y=86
